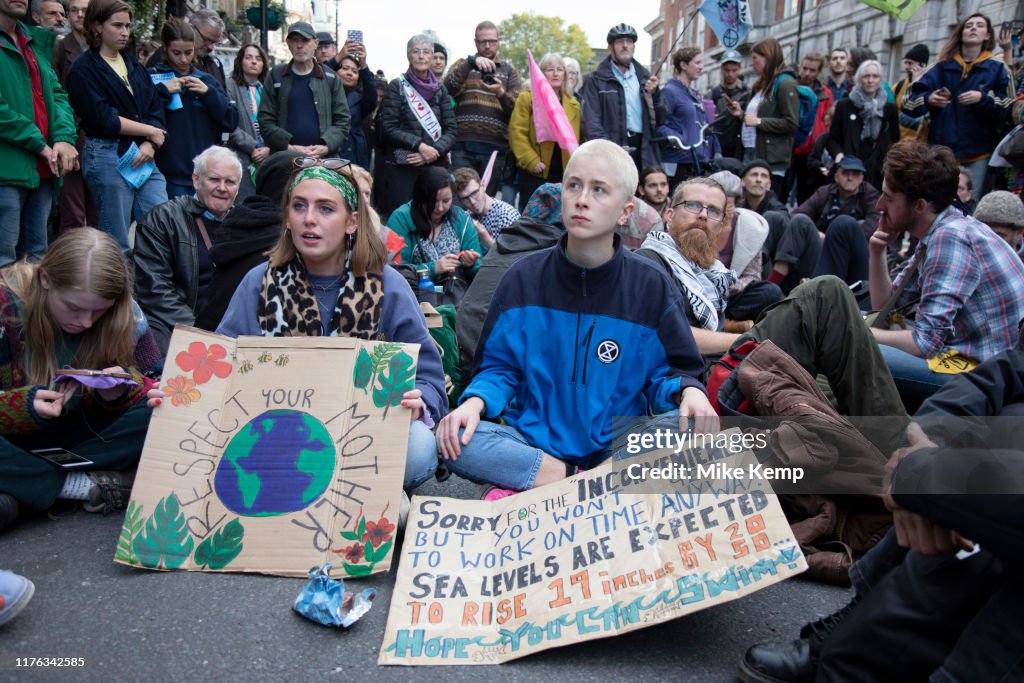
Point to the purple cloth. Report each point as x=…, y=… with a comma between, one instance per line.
x=426, y=88
x=96, y=381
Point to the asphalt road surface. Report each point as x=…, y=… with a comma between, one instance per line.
x=137, y=625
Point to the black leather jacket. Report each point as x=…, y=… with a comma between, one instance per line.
x=166, y=273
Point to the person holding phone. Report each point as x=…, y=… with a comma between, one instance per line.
x=196, y=108
x=73, y=309
x=361, y=93
x=113, y=94
x=966, y=96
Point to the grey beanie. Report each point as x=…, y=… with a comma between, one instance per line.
x=1001, y=208
x=730, y=182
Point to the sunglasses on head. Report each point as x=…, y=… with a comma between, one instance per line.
x=333, y=164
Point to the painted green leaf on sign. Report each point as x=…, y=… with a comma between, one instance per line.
x=401, y=378
x=379, y=554
x=363, y=373
x=217, y=551
x=350, y=535
x=356, y=569
x=165, y=538
x=133, y=523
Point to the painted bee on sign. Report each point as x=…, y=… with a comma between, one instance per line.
x=264, y=357
x=281, y=361
x=245, y=367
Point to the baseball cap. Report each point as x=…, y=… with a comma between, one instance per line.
x=324, y=38
x=731, y=56
x=852, y=164
x=303, y=29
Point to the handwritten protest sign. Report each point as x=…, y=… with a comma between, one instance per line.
x=487, y=582
x=272, y=455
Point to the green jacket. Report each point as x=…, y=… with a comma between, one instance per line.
x=779, y=112
x=20, y=139
x=328, y=96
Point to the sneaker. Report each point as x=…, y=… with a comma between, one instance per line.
x=494, y=493
x=110, y=491
x=15, y=592
x=793, y=662
x=8, y=511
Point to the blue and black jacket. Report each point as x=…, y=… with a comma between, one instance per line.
x=565, y=349
x=968, y=129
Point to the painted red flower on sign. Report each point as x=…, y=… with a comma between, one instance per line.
x=378, y=533
x=353, y=553
x=204, y=362
x=181, y=390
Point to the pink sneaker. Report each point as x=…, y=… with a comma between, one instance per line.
x=494, y=493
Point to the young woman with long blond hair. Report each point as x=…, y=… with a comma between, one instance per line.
x=72, y=310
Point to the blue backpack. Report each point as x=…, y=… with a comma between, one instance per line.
x=808, y=111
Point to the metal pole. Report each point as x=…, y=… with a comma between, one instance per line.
x=799, y=32
x=337, y=21
x=264, y=25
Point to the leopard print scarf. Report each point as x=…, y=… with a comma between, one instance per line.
x=288, y=306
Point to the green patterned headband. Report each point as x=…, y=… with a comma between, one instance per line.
x=332, y=178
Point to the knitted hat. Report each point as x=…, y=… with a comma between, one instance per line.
x=919, y=53
x=1001, y=208
x=438, y=47
x=756, y=163
x=729, y=182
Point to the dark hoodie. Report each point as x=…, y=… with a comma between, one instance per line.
x=250, y=230
x=523, y=237
x=769, y=203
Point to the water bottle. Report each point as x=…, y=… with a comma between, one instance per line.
x=425, y=281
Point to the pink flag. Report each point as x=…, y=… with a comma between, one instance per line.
x=549, y=119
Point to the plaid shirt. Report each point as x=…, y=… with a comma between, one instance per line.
x=968, y=291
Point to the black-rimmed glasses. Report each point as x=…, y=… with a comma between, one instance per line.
x=694, y=207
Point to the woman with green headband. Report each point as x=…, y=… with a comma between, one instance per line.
x=327, y=276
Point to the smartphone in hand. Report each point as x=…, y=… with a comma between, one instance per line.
x=355, y=36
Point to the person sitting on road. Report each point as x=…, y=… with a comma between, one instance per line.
x=1003, y=212
x=72, y=310
x=328, y=248
x=844, y=215
x=490, y=215
x=439, y=237
x=557, y=395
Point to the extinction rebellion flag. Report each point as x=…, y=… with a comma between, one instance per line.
x=729, y=19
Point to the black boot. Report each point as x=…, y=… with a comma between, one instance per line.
x=794, y=662
x=8, y=511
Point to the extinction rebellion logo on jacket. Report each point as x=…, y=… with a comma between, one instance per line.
x=608, y=351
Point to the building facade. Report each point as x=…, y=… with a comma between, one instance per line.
x=826, y=24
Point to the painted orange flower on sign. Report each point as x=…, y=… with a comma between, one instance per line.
x=181, y=390
x=204, y=362
x=378, y=533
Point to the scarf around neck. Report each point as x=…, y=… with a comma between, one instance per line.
x=427, y=87
x=706, y=289
x=288, y=307
x=870, y=109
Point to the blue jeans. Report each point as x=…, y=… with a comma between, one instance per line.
x=23, y=215
x=175, y=190
x=500, y=455
x=420, y=456
x=913, y=378
x=117, y=202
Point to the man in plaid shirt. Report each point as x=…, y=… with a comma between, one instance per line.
x=964, y=293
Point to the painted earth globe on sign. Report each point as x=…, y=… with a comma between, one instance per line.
x=280, y=462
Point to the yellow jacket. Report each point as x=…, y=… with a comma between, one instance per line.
x=522, y=135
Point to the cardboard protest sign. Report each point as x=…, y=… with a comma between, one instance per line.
x=272, y=455
x=487, y=582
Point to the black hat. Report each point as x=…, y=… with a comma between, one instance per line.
x=755, y=163
x=303, y=29
x=273, y=174
x=919, y=53
x=438, y=47
x=325, y=38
